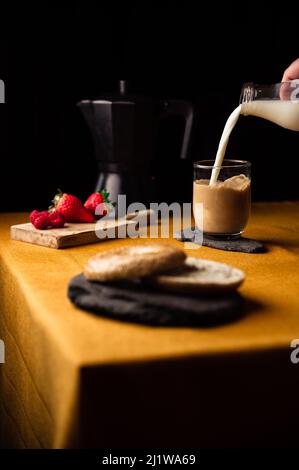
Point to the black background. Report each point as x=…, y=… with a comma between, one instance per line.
x=53, y=56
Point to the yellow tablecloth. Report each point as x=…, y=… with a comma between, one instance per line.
x=74, y=379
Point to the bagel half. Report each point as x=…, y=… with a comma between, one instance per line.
x=200, y=276
x=133, y=261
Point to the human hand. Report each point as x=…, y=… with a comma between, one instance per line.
x=292, y=72
x=288, y=91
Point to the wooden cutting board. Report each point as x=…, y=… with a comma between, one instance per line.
x=74, y=234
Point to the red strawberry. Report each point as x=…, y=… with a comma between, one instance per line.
x=98, y=203
x=102, y=210
x=72, y=208
x=93, y=201
x=56, y=219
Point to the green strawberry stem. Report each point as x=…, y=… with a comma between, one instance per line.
x=57, y=197
x=55, y=201
x=105, y=196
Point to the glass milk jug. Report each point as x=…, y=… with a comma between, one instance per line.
x=278, y=103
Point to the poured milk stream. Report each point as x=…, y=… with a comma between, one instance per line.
x=230, y=124
x=282, y=112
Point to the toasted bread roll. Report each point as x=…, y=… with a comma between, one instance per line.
x=198, y=276
x=133, y=261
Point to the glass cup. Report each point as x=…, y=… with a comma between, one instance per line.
x=222, y=209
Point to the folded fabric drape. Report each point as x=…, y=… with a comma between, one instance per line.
x=72, y=379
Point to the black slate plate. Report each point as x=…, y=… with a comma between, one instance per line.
x=135, y=302
x=242, y=244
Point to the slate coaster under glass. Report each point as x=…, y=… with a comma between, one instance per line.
x=242, y=244
x=133, y=301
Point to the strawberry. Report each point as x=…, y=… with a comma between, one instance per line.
x=93, y=201
x=72, y=208
x=98, y=203
x=102, y=209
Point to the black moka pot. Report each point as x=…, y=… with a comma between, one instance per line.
x=124, y=129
